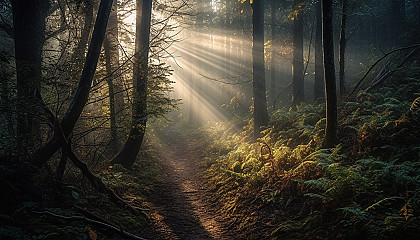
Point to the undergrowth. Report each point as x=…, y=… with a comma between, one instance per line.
x=24, y=206
x=287, y=186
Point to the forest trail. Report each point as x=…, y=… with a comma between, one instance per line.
x=184, y=208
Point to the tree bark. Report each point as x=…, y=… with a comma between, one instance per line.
x=82, y=92
x=298, y=88
x=273, y=52
x=330, y=87
x=127, y=156
x=116, y=99
x=79, y=52
x=342, y=47
x=29, y=27
x=319, y=60
x=260, y=104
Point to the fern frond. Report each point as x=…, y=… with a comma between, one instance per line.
x=384, y=203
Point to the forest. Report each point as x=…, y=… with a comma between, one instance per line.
x=209, y=119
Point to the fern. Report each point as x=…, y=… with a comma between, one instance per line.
x=355, y=212
x=316, y=196
x=317, y=184
x=384, y=203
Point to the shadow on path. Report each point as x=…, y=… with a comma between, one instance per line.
x=184, y=208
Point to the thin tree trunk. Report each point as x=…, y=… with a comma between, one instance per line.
x=79, y=52
x=330, y=88
x=319, y=60
x=298, y=88
x=260, y=104
x=112, y=117
x=29, y=27
x=82, y=92
x=114, y=81
x=342, y=48
x=273, y=52
x=127, y=156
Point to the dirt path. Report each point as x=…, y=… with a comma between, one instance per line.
x=184, y=208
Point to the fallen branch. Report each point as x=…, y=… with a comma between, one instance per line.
x=388, y=73
x=95, y=222
x=94, y=180
x=379, y=60
x=280, y=94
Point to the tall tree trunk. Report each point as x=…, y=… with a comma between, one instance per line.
x=258, y=75
x=127, y=156
x=298, y=88
x=342, y=47
x=319, y=59
x=273, y=52
x=116, y=99
x=79, y=52
x=82, y=92
x=29, y=27
x=330, y=88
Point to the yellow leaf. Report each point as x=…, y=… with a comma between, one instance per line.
x=92, y=234
x=406, y=212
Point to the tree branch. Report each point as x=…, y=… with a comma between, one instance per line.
x=379, y=60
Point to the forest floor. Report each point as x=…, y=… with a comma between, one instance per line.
x=182, y=206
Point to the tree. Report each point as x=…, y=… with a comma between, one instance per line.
x=43, y=154
x=319, y=60
x=298, y=96
x=273, y=53
x=127, y=156
x=29, y=27
x=329, y=68
x=79, y=53
x=116, y=99
x=260, y=105
x=342, y=47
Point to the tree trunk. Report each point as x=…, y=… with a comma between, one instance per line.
x=82, y=92
x=342, y=48
x=297, y=96
x=116, y=99
x=330, y=88
x=273, y=53
x=319, y=60
x=29, y=27
x=79, y=52
x=127, y=156
x=258, y=75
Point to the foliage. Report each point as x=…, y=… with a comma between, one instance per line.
x=286, y=186
x=19, y=220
